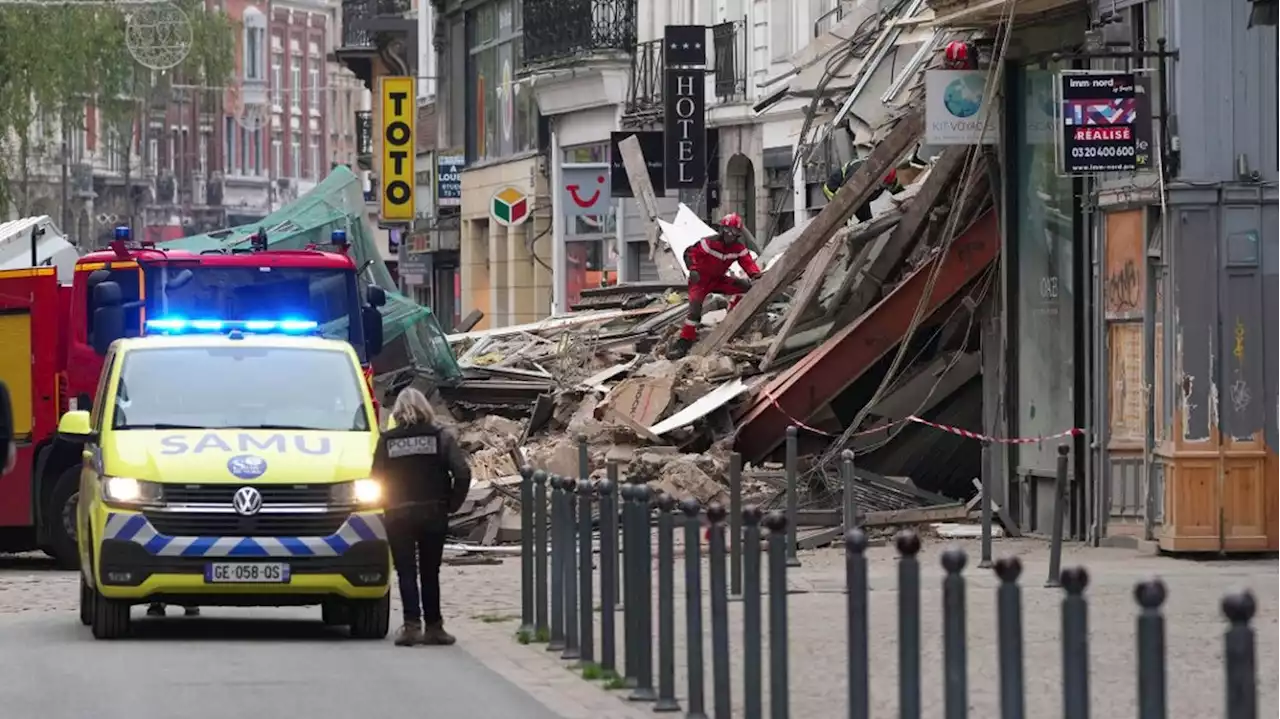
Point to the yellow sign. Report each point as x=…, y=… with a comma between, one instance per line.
x=397, y=177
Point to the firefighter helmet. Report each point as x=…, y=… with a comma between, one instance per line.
x=732, y=220
x=961, y=55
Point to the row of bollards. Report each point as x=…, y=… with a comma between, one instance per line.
x=562, y=561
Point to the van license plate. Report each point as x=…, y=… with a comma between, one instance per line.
x=246, y=573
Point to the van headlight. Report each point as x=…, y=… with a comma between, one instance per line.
x=364, y=492
x=130, y=491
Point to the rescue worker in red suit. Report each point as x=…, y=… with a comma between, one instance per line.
x=708, y=262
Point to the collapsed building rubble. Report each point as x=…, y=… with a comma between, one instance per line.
x=854, y=330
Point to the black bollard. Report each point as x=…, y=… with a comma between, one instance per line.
x=1075, y=645
x=1009, y=623
x=735, y=524
x=630, y=637
x=608, y=572
x=1059, y=510
x=586, y=593
x=526, y=552
x=666, y=606
x=540, y=555
x=1241, y=656
x=693, y=606
x=557, y=564
x=643, y=597
x=855, y=557
x=720, y=682
x=955, y=665
x=569, y=567
x=752, y=619
x=908, y=543
x=779, y=677
x=613, y=528
x=1152, y=686
x=988, y=479
x=793, y=494
x=849, y=504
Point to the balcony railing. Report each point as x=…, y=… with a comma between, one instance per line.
x=364, y=132
x=729, y=50
x=645, y=94
x=557, y=30
x=356, y=10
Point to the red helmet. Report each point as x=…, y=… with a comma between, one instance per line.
x=892, y=177
x=732, y=220
x=961, y=55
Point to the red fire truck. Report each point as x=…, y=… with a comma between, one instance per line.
x=53, y=338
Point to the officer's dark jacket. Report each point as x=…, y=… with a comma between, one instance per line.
x=424, y=472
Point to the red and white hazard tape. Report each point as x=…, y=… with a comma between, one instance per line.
x=1074, y=431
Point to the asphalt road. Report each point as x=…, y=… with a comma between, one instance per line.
x=232, y=662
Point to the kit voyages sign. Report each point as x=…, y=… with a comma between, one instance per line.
x=685, y=128
x=1101, y=122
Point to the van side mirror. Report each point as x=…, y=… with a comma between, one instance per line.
x=75, y=426
x=377, y=296
x=371, y=318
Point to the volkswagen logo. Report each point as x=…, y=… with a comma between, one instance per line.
x=247, y=501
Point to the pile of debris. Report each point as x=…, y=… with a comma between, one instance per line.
x=812, y=345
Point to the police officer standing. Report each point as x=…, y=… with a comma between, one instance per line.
x=8, y=450
x=425, y=479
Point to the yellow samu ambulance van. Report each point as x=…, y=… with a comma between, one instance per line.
x=230, y=467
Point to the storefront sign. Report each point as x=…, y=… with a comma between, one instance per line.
x=651, y=147
x=510, y=207
x=1099, y=122
x=954, y=113
x=685, y=128
x=397, y=176
x=584, y=191
x=449, y=180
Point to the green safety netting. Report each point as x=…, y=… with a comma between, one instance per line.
x=338, y=203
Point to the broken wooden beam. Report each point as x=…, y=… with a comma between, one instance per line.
x=858, y=190
x=638, y=173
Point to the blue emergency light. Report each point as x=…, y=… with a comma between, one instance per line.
x=178, y=325
x=122, y=233
x=338, y=237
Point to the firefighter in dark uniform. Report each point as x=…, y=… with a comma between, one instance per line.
x=425, y=479
x=841, y=175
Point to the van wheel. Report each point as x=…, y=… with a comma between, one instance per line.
x=86, y=602
x=61, y=514
x=110, y=617
x=371, y=618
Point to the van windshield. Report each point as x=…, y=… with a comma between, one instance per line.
x=239, y=388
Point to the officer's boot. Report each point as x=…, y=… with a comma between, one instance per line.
x=679, y=348
x=155, y=609
x=191, y=611
x=410, y=633
x=435, y=634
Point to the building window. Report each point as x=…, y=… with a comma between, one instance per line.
x=295, y=83
x=295, y=155
x=257, y=152
x=313, y=85
x=202, y=162
x=228, y=145
x=173, y=151
x=316, y=171
x=277, y=77
x=153, y=154
x=780, y=31
x=277, y=155
x=502, y=117
x=255, y=45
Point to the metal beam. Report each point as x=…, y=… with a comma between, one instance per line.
x=828, y=370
